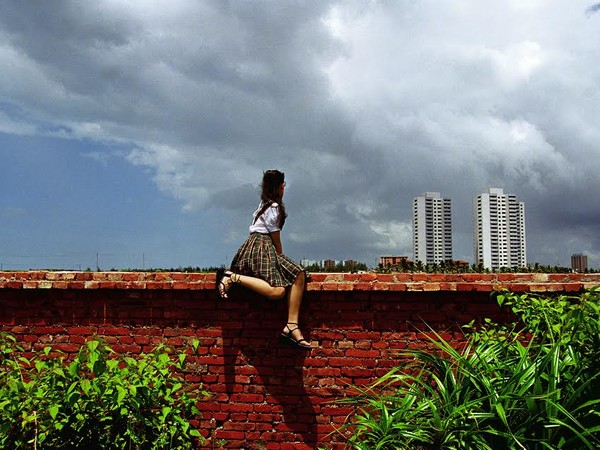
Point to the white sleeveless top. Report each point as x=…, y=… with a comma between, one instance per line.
x=268, y=222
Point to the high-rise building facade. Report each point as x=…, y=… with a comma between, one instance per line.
x=579, y=263
x=499, y=230
x=432, y=228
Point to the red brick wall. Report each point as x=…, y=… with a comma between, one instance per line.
x=263, y=395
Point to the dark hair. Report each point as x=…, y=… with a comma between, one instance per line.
x=271, y=193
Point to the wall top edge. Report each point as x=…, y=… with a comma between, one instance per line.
x=525, y=282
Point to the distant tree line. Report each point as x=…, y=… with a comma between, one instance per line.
x=404, y=266
x=463, y=267
x=341, y=267
x=188, y=269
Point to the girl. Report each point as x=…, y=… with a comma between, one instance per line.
x=260, y=264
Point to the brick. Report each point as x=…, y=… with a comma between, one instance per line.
x=539, y=287
x=465, y=287
x=398, y=287
x=329, y=286
x=248, y=398
x=356, y=372
x=66, y=348
x=381, y=287
x=356, y=353
x=487, y=287
x=87, y=331
x=367, y=277
x=431, y=286
x=349, y=362
x=48, y=330
x=437, y=277
x=132, y=349
x=260, y=389
x=518, y=287
x=83, y=276
x=351, y=277
x=221, y=434
x=237, y=407
x=345, y=286
x=317, y=277
x=79, y=340
x=323, y=372
x=386, y=278
x=573, y=287
x=364, y=344
x=19, y=329
x=114, y=331
x=363, y=335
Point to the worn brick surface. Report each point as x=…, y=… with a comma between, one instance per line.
x=263, y=395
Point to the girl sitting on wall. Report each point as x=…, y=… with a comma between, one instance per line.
x=260, y=264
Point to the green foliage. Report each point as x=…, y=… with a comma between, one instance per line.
x=407, y=266
x=96, y=400
x=532, y=385
x=187, y=269
x=568, y=320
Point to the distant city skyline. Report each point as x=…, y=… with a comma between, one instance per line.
x=579, y=262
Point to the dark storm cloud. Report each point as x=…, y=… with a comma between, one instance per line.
x=211, y=74
x=363, y=105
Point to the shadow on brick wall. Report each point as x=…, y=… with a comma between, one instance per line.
x=262, y=372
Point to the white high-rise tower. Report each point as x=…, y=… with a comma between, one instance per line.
x=499, y=230
x=432, y=228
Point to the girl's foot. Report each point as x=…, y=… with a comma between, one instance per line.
x=292, y=335
x=224, y=282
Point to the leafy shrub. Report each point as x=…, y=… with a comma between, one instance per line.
x=97, y=400
x=535, y=388
x=567, y=320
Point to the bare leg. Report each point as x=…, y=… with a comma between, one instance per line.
x=257, y=285
x=294, y=298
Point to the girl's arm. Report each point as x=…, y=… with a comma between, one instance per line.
x=276, y=238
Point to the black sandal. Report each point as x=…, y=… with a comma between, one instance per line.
x=222, y=288
x=288, y=338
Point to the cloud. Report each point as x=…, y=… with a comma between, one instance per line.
x=363, y=105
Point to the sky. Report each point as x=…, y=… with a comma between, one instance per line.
x=134, y=134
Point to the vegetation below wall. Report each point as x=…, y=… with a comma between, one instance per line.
x=260, y=391
x=97, y=400
x=529, y=385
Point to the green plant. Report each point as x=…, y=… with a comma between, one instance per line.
x=97, y=400
x=567, y=319
x=538, y=388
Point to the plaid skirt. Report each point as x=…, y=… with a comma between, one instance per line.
x=257, y=258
